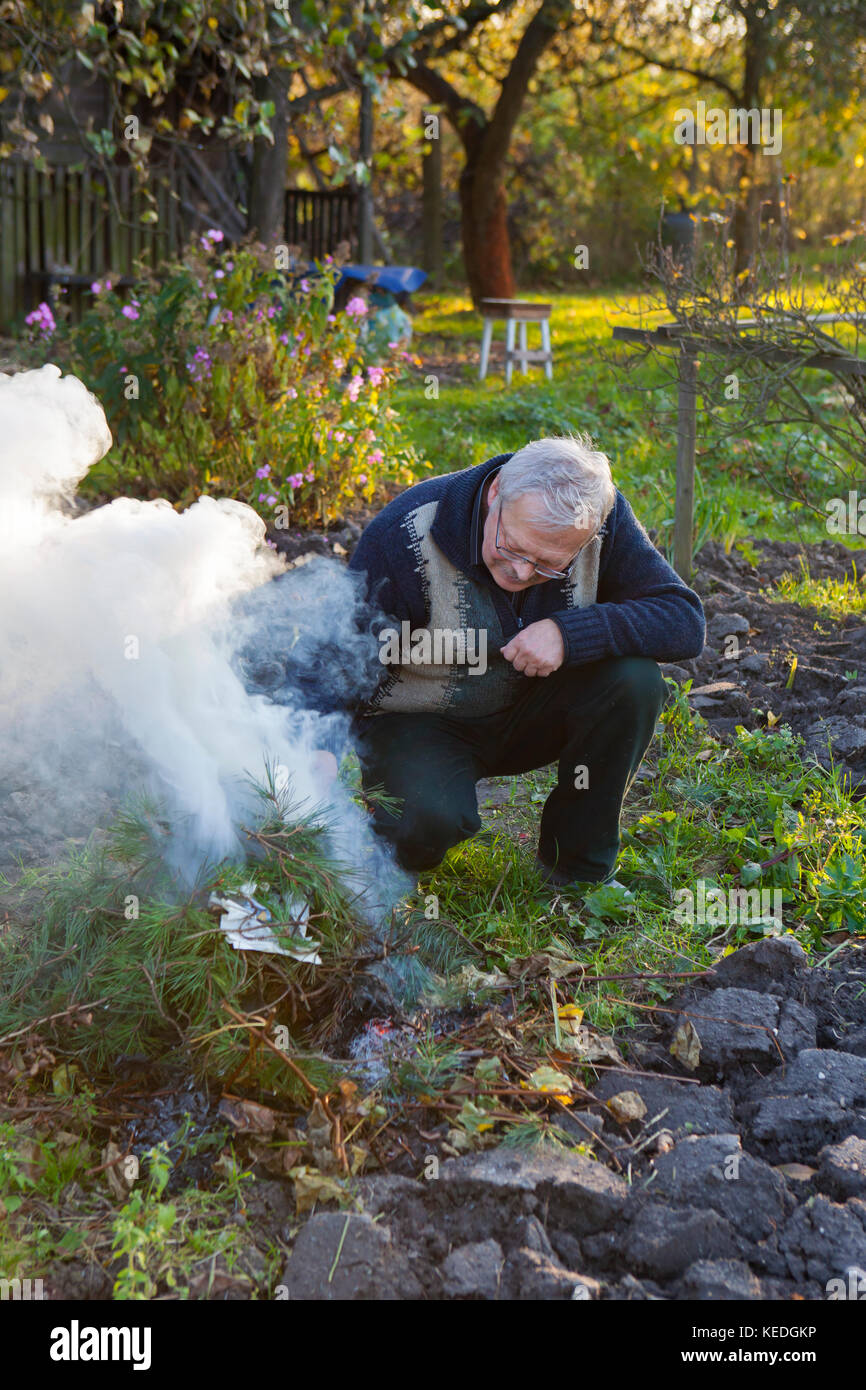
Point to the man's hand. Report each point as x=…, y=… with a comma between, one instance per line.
x=538, y=650
x=325, y=765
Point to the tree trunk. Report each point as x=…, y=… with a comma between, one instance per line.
x=431, y=213
x=483, y=203
x=266, y=204
x=484, y=225
x=747, y=204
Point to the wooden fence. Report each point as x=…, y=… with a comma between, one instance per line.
x=66, y=227
x=318, y=221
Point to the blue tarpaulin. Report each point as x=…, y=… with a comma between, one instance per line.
x=396, y=278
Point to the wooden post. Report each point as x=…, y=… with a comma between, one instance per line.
x=684, y=510
x=365, y=191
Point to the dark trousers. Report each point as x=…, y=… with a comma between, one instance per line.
x=598, y=717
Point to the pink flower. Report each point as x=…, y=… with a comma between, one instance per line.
x=356, y=307
x=353, y=390
x=130, y=312
x=376, y=375
x=42, y=318
x=376, y=456
x=309, y=476
x=294, y=480
x=263, y=471
x=219, y=275
x=362, y=479
x=212, y=237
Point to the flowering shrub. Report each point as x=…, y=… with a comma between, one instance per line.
x=221, y=376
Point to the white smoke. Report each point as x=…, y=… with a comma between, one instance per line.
x=121, y=633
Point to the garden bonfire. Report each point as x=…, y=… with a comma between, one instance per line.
x=126, y=639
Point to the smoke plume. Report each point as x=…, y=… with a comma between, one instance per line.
x=146, y=649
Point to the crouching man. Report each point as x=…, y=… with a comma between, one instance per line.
x=525, y=611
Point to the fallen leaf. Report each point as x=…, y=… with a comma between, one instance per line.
x=664, y=1142
x=800, y=1172
x=470, y=980
x=549, y=1080
x=626, y=1106
x=570, y=1017
x=592, y=1047
x=551, y=963
x=311, y=1187
x=320, y=1136
x=63, y=1078
x=686, y=1046
x=247, y=1116
x=121, y=1173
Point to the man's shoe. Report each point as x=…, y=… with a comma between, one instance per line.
x=557, y=879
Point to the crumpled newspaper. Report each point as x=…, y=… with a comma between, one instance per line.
x=245, y=922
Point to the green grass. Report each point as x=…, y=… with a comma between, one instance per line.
x=832, y=597
x=702, y=810
x=58, y=1209
x=471, y=420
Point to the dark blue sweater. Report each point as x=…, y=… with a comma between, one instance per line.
x=419, y=551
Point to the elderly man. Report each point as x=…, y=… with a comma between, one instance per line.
x=526, y=609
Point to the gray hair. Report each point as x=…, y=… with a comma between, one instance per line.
x=569, y=478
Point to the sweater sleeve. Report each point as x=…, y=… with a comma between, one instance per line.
x=389, y=592
x=643, y=608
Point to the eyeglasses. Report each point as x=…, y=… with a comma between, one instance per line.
x=544, y=570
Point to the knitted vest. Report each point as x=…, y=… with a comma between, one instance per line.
x=453, y=665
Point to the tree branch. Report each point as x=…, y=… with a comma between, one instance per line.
x=466, y=116
x=540, y=32
x=699, y=74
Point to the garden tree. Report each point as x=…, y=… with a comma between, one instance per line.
x=200, y=78
x=196, y=73
x=755, y=53
x=485, y=138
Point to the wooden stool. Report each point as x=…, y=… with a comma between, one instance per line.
x=522, y=312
